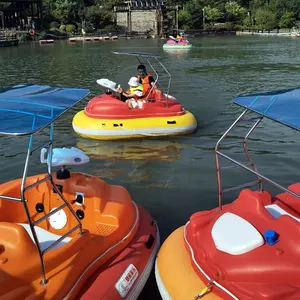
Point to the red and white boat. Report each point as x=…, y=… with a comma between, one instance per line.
x=248, y=249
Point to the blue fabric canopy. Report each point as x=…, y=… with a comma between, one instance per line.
x=26, y=109
x=282, y=106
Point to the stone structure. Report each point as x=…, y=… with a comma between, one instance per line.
x=145, y=16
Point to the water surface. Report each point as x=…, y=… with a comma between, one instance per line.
x=170, y=177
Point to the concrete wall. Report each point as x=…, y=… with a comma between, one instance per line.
x=140, y=20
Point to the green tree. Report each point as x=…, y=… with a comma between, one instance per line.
x=184, y=18
x=265, y=19
x=65, y=11
x=287, y=20
x=247, y=22
x=98, y=17
x=234, y=11
x=212, y=14
x=194, y=8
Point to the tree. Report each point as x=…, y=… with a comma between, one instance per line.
x=212, y=14
x=234, y=11
x=265, y=19
x=65, y=11
x=98, y=17
x=287, y=20
x=184, y=18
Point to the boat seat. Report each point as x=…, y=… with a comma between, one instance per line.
x=234, y=235
x=288, y=201
x=45, y=237
x=277, y=211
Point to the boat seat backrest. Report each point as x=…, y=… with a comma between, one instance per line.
x=13, y=211
x=252, y=200
x=251, y=203
x=15, y=241
x=288, y=201
x=45, y=237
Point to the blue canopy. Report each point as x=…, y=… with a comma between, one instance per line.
x=282, y=106
x=26, y=109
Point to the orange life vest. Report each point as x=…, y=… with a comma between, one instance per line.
x=147, y=87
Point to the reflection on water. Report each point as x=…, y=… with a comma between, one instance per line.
x=132, y=150
x=138, y=156
x=178, y=53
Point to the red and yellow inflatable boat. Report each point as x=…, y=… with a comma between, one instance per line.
x=106, y=117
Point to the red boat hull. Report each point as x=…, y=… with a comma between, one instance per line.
x=267, y=272
x=135, y=263
x=109, y=106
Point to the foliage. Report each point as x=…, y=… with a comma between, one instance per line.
x=234, y=11
x=265, y=19
x=98, y=14
x=70, y=28
x=62, y=27
x=287, y=20
x=212, y=14
x=4, y=4
x=184, y=18
x=54, y=25
x=98, y=17
x=247, y=22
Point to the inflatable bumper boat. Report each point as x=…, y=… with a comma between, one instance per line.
x=106, y=117
x=246, y=249
x=171, y=44
x=177, y=43
x=66, y=235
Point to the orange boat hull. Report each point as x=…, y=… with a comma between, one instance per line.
x=110, y=221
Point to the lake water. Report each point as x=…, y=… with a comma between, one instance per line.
x=170, y=177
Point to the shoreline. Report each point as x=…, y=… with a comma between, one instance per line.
x=281, y=34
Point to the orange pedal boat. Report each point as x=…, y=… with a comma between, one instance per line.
x=66, y=235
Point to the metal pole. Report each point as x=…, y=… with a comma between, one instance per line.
x=2, y=19
x=177, y=12
x=36, y=240
x=217, y=158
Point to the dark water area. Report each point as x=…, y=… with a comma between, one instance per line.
x=170, y=177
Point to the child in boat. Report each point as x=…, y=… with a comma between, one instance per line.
x=133, y=94
x=180, y=37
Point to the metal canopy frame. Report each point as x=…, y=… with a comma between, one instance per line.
x=49, y=119
x=249, y=165
x=162, y=75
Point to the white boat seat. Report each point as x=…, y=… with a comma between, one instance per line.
x=276, y=211
x=45, y=237
x=234, y=235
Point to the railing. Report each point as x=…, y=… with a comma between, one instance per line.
x=248, y=166
x=161, y=75
x=25, y=201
